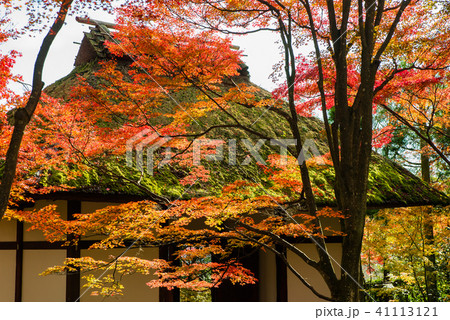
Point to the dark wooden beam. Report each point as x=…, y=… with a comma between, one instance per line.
x=8, y=245
x=73, y=251
x=42, y=245
x=57, y=245
x=90, y=197
x=328, y=239
x=19, y=262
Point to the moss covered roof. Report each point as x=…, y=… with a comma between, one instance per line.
x=390, y=185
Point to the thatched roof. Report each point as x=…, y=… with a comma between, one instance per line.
x=390, y=185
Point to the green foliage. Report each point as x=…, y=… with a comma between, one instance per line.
x=187, y=295
x=382, y=292
x=406, y=254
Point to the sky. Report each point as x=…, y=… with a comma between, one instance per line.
x=260, y=52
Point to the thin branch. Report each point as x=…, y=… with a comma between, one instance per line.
x=409, y=125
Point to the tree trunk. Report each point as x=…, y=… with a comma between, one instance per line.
x=350, y=284
x=430, y=266
x=22, y=116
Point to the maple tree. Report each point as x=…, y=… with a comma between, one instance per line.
x=21, y=116
x=6, y=62
x=170, y=57
x=83, y=119
x=348, y=32
x=413, y=111
x=38, y=13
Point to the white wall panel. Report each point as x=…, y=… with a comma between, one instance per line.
x=297, y=291
x=7, y=275
x=8, y=230
x=136, y=289
x=43, y=288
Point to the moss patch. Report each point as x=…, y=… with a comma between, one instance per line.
x=389, y=184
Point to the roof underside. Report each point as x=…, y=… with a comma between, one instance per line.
x=92, y=46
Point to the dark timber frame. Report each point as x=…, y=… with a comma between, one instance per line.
x=19, y=262
x=73, y=251
x=74, y=200
x=281, y=276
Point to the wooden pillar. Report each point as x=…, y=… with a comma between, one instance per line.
x=73, y=251
x=165, y=295
x=19, y=262
x=282, y=289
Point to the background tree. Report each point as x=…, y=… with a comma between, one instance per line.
x=419, y=113
x=401, y=261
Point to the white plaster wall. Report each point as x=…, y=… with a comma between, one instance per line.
x=7, y=275
x=297, y=291
x=136, y=289
x=38, y=288
x=7, y=230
